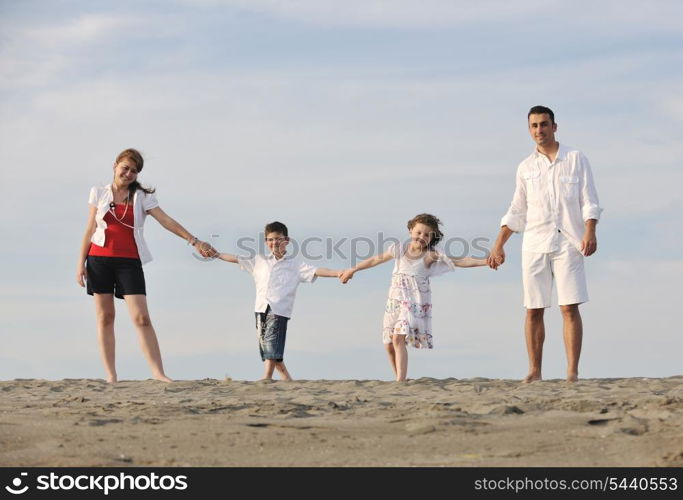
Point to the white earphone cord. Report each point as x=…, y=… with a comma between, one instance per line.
x=120, y=221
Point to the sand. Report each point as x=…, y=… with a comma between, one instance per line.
x=425, y=422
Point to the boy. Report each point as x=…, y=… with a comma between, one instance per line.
x=277, y=277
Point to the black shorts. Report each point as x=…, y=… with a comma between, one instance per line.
x=116, y=275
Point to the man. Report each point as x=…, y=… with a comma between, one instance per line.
x=556, y=206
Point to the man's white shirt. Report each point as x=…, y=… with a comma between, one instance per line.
x=552, y=199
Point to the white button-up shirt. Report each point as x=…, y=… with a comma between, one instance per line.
x=552, y=199
x=276, y=281
x=101, y=197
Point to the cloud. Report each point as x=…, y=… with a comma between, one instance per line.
x=449, y=13
x=36, y=54
x=345, y=131
x=86, y=28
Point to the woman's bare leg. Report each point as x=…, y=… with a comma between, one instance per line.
x=137, y=307
x=104, y=309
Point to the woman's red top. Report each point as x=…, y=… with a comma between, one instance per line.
x=118, y=239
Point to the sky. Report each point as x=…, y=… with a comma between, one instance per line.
x=343, y=119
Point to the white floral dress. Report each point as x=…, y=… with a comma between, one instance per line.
x=409, y=305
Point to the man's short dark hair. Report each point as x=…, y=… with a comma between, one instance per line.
x=541, y=110
x=276, y=227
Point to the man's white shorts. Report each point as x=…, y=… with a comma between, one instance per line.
x=565, y=265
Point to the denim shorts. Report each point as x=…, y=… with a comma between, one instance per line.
x=271, y=330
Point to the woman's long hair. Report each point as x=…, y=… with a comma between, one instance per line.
x=134, y=156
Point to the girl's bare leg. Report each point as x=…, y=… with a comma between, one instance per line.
x=392, y=357
x=401, y=355
x=137, y=307
x=104, y=309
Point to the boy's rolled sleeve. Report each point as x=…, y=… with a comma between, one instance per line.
x=307, y=273
x=246, y=263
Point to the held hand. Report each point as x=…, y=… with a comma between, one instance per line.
x=496, y=258
x=206, y=250
x=589, y=244
x=346, y=275
x=81, y=276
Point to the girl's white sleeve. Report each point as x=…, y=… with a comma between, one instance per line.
x=395, y=249
x=442, y=265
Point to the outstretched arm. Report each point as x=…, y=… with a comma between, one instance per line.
x=468, y=262
x=366, y=264
x=324, y=272
x=227, y=257
x=170, y=224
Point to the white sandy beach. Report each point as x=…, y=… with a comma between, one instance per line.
x=424, y=422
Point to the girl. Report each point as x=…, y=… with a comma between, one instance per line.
x=408, y=313
x=113, y=251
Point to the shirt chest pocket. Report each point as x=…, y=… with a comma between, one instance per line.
x=286, y=277
x=532, y=182
x=569, y=185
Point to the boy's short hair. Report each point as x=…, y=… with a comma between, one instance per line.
x=276, y=227
x=541, y=110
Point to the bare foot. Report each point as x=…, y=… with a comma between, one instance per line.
x=112, y=379
x=572, y=377
x=532, y=377
x=162, y=378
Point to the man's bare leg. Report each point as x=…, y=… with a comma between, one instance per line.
x=572, y=329
x=534, y=332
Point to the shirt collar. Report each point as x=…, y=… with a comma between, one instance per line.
x=271, y=256
x=561, y=152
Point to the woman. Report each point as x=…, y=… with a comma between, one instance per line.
x=113, y=251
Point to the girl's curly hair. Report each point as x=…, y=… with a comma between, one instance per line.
x=428, y=220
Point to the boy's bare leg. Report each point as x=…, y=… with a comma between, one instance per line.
x=269, y=367
x=401, y=351
x=282, y=370
x=534, y=331
x=572, y=329
x=392, y=357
